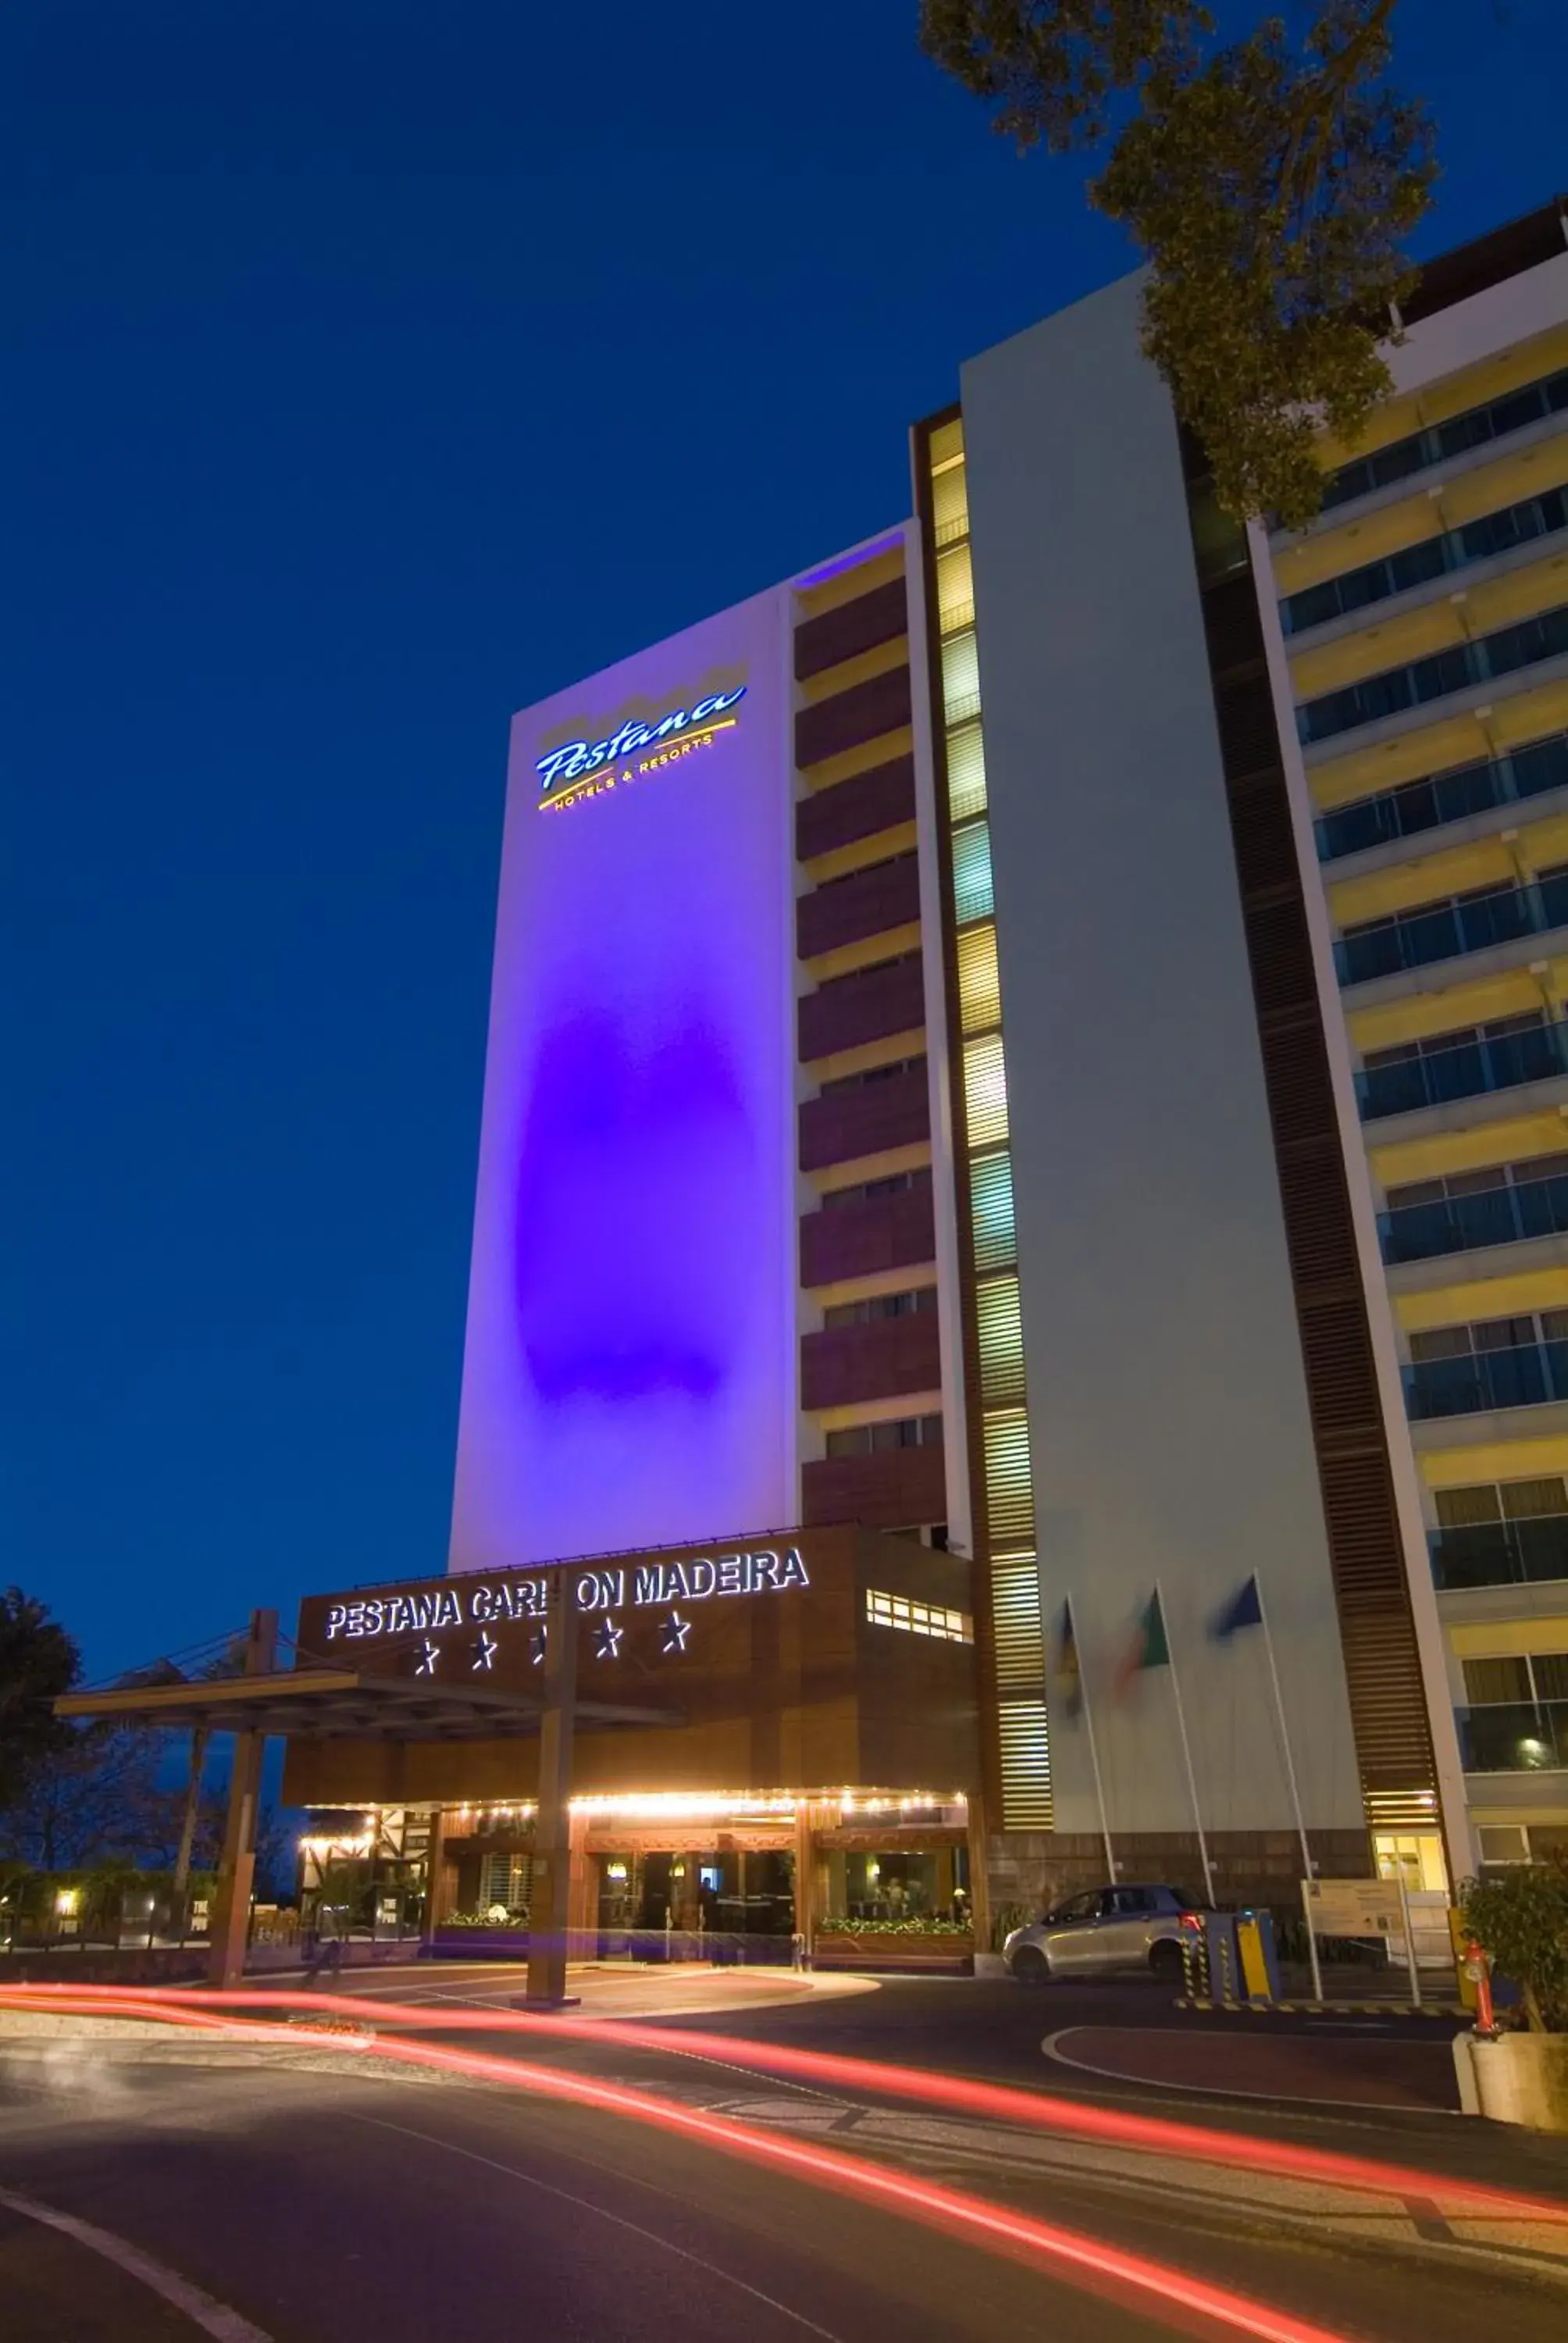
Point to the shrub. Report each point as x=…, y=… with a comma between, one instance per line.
x=1521, y=1918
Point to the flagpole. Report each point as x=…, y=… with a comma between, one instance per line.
x=1186, y=1746
x=1094, y=1765
x=1285, y=1732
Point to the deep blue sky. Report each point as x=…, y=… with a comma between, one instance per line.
x=373, y=368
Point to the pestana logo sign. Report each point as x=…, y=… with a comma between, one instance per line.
x=565, y=768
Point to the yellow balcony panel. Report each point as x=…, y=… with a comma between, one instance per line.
x=877, y=1410
x=886, y=1051
x=1499, y=1460
x=850, y=584
x=1523, y=472
x=1500, y=1639
x=865, y=952
x=1508, y=994
x=980, y=981
x=1385, y=642
x=1429, y=878
x=1404, y=886
x=1475, y=1150
x=1457, y=740
x=1483, y=1297
x=1471, y=385
x=883, y=1165
x=879, y=848
x=1517, y=594
x=1530, y=715
x=950, y=501
x=1331, y=551
x=862, y=759
x=860, y=669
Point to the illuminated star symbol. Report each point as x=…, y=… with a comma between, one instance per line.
x=608, y=1646
x=537, y=1646
x=485, y=1651
x=676, y=1631
x=429, y=1652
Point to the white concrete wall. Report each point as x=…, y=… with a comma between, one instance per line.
x=1167, y=1400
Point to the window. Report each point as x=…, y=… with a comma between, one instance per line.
x=918, y=1618
x=1536, y=1677
x=874, y=1074
x=1419, y=682
x=878, y=1439
x=880, y=1306
x=1431, y=556
x=867, y=1192
x=1508, y=1500
x=1475, y=428
x=1496, y=1680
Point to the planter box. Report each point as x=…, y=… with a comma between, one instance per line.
x=1522, y=2079
x=913, y=1954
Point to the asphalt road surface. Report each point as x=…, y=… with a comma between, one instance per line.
x=307, y=2196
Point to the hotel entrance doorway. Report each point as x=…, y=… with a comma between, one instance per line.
x=721, y=1905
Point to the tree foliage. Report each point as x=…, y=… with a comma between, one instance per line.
x=38, y=1661
x=1521, y=1918
x=1270, y=183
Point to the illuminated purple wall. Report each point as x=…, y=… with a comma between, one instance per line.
x=627, y=1377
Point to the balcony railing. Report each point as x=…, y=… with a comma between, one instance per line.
x=1521, y=1374
x=1489, y=1216
x=1466, y=924
x=1464, y=1070
x=1443, y=798
x=1513, y=1737
x=1500, y=1553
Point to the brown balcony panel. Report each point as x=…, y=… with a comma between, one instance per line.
x=846, y=910
x=852, y=718
x=862, y=625
x=844, y=1365
x=856, y=808
x=869, y=1006
x=861, y=1239
x=901, y=1488
x=844, y=1126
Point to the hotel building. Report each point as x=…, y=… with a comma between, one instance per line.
x=1026, y=1079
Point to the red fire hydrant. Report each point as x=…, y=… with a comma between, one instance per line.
x=1477, y=1969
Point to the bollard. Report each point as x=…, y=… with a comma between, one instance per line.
x=1477, y=1969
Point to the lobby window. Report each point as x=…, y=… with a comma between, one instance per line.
x=918, y=1618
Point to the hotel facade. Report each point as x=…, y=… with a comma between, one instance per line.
x=1026, y=1094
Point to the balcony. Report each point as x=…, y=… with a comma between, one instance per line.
x=1492, y=1216
x=842, y=1126
x=846, y=1366
x=1514, y=1736
x=1500, y=1553
x=1452, y=796
x=1466, y=1069
x=843, y=1241
x=900, y=1489
x=869, y=1005
x=1467, y=923
x=1522, y=1374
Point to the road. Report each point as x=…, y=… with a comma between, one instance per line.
x=310, y=2197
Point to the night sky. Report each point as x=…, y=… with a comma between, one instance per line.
x=373, y=369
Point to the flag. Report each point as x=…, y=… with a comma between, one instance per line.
x=1148, y=1647
x=1064, y=1667
x=1244, y=1609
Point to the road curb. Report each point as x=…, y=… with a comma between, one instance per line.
x=1445, y=2009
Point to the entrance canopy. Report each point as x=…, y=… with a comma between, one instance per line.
x=348, y=1704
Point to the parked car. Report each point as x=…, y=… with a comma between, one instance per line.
x=1104, y=1930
